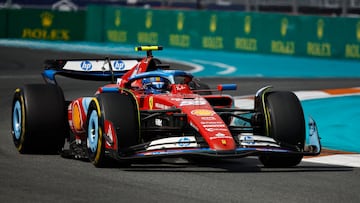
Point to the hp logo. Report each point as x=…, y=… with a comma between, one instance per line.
x=119, y=65
x=86, y=65
x=184, y=142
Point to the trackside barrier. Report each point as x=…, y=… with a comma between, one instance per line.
x=311, y=36
x=46, y=24
x=3, y=23
x=95, y=24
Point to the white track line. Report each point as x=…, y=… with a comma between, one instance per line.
x=350, y=160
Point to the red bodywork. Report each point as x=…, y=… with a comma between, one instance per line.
x=199, y=111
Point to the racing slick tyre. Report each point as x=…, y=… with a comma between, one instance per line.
x=285, y=123
x=39, y=122
x=122, y=112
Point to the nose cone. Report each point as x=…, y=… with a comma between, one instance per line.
x=224, y=142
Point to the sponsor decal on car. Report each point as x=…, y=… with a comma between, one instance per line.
x=119, y=65
x=205, y=118
x=184, y=142
x=249, y=140
x=151, y=103
x=78, y=110
x=172, y=142
x=109, y=134
x=215, y=126
x=180, y=87
x=216, y=129
x=202, y=112
x=99, y=65
x=158, y=122
x=195, y=101
x=221, y=136
x=211, y=122
x=176, y=99
x=86, y=65
x=77, y=117
x=161, y=106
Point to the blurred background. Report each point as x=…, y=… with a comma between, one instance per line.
x=317, y=7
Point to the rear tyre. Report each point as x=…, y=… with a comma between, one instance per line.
x=285, y=123
x=121, y=111
x=39, y=123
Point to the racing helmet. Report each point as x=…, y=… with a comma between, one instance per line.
x=155, y=85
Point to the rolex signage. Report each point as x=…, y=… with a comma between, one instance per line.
x=265, y=33
x=178, y=35
x=46, y=24
x=250, y=32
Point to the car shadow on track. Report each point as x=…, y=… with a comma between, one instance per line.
x=245, y=165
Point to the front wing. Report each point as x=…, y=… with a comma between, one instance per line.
x=249, y=145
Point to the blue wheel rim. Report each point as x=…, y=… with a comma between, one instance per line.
x=17, y=120
x=93, y=131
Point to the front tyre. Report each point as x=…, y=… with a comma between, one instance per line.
x=284, y=121
x=119, y=109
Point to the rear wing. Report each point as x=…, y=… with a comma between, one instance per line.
x=93, y=69
x=88, y=69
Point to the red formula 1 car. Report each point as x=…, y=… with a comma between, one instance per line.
x=149, y=111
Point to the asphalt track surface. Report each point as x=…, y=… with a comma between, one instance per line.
x=51, y=178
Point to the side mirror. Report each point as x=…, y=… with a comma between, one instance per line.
x=223, y=87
